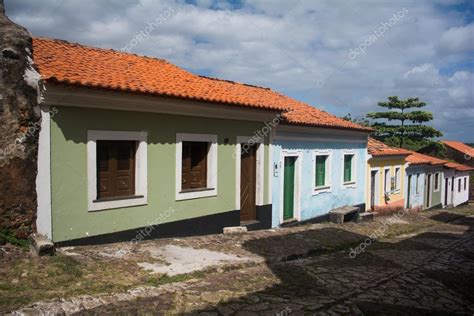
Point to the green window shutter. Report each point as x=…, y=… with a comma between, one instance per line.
x=320, y=171
x=347, y=168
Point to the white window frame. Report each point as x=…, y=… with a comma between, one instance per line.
x=211, y=165
x=141, y=185
x=260, y=168
x=353, y=182
x=387, y=177
x=465, y=183
x=327, y=179
x=398, y=178
x=436, y=184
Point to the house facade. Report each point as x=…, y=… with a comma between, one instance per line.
x=133, y=148
x=118, y=163
x=386, y=177
x=316, y=170
x=456, y=184
x=424, y=181
x=462, y=154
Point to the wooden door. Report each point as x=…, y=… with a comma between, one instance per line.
x=289, y=188
x=248, y=183
x=409, y=192
x=373, y=174
x=428, y=191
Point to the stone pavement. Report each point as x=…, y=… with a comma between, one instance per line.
x=428, y=273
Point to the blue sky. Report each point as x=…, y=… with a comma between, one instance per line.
x=341, y=56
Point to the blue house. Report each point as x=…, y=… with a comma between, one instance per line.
x=319, y=164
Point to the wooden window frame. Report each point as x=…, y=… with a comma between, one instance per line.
x=186, y=181
x=353, y=182
x=140, y=196
x=113, y=171
x=327, y=176
x=211, y=170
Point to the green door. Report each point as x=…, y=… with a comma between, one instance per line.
x=289, y=188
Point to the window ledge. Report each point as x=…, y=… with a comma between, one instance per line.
x=350, y=184
x=118, y=198
x=195, y=194
x=117, y=202
x=196, y=190
x=321, y=189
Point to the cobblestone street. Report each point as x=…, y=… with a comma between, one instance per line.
x=424, y=268
x=425, y=274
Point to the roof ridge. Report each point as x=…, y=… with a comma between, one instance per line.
x=234, y=82
x=51, y=39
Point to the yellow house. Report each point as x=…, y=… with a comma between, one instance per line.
x=386, y=176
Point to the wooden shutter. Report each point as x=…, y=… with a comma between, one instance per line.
x=320, y=171
x=115, y=168
x=347, y=168
x=194, y=165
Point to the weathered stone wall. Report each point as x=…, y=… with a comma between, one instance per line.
x=19, y=128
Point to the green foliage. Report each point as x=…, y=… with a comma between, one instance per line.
x=359, y=120
x=395, y=131
x=8, y=237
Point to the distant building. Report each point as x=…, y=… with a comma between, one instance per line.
x=454, y=151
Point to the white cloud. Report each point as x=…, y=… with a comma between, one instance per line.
x=298, y=47
x=458, y=40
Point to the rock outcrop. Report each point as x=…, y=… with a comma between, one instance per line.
x=20, y=92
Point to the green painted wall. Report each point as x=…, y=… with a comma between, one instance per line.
x=70, y=216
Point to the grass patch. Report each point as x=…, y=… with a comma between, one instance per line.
x=165, y=279
x=10, y=238
x=66, y=265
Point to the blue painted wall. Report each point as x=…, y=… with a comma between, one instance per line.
x=416, y=199
x=314, y=205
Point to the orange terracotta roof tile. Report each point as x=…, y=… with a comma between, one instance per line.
x=417, y=159
x=75, y=64
x=458, y=166
x=461, y=147
x=377, y=148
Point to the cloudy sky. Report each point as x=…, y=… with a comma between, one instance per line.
x=343, y=56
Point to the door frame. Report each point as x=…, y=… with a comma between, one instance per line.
x=298, y=154
x=377, y=186
x=260, y=177
x=428, y=189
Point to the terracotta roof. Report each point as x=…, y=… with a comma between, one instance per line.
x=420, y=159
x=75, y=64
x=461, y=147
x=458, y=166
x=377, y=148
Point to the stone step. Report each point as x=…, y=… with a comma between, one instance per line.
x=343, y=214
x=366, y=216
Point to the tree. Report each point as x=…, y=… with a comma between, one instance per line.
x=362, y=120
x=412, y=135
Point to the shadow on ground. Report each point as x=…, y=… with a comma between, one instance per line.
x=431, y=273
x=427, y=274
